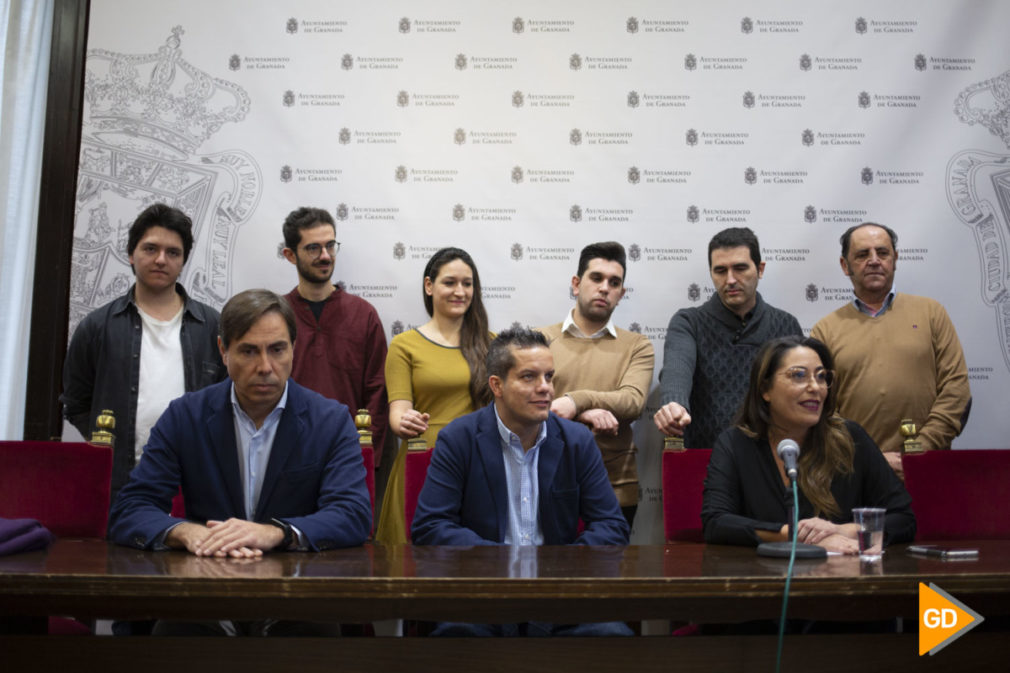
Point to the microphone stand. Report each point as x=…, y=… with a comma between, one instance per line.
x=791, y=550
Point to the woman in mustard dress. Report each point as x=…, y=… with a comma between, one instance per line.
x=435, y=373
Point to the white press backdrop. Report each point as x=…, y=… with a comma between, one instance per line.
x=523, y=131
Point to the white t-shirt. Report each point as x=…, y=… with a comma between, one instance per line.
x=162, y=378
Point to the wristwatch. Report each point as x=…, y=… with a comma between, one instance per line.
x=289, y=533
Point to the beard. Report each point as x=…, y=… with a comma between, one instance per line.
x=313, y=274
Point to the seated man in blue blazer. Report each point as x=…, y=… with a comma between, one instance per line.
x=514, y=473
x=264, y=464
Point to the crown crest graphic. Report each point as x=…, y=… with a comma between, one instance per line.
x=987, y=103
x=160, y=100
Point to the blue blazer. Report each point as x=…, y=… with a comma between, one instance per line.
x=315, y=478
x=464, y=500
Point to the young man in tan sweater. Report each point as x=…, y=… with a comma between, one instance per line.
x=602, y=372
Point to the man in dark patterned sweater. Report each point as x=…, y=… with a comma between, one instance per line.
x=709, y=349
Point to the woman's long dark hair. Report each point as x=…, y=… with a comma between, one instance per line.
x=473, y=337
x=828, y=449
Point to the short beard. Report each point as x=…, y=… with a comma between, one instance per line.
x=307, y=273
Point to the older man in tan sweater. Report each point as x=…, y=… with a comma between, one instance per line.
x=897, y=355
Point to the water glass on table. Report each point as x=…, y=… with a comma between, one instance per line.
x=871, y=532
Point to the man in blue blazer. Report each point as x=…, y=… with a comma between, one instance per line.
x=513, y=472
x=264, y=464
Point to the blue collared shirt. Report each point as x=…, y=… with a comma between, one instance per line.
x=254, y=445
x=523, y=485
x=863, y=308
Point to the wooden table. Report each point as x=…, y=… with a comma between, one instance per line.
x=688, y=582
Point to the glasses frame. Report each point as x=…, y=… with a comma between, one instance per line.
x=826, y=382
x=315, y=250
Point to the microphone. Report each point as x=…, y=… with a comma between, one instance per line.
x=789, y=452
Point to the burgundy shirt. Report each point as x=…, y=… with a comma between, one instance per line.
x=343, y=356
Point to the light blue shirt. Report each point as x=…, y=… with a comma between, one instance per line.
x=254, y=445
x=521, y=472
x=863, y=308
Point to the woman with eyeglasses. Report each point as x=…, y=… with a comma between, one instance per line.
x=436, y=372
x=746, y=498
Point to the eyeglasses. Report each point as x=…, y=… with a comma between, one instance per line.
x=315, y=249
x=799, y=376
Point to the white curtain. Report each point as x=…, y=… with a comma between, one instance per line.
x=25, y=33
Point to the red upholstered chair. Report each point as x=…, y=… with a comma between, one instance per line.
x=363, y=423
x=960, y=494
x=368, y=458
x=415, y=469
x=683, y=481
x=179, y=505
x=65, y=486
